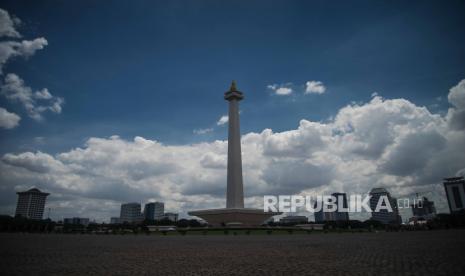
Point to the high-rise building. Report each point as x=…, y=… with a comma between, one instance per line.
x=114, y=220
x=384, y=216
x=455, y=192
x=338, y=215
x=341, y=214
x=423, y=208
x=130, y=213
x=154, y=210
x=31, y=204
x=321, y=216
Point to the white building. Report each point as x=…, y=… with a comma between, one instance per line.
x=455, y=192
x=31, y=204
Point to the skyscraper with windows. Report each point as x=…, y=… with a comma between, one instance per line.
x=384, y=216
x=31, y=204
x=423, y=208
x=154, y=210
x=455, y=192
x=341, y=201
x=337, y=215
x=130, y=213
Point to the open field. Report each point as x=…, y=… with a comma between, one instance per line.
x=385, y=253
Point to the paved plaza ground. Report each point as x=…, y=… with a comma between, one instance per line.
x=439, y=252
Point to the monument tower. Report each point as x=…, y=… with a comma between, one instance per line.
x=235, y=186
x=234, y=214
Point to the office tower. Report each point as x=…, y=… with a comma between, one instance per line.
x=455, y=192
x=154, y=210
x=341, y=214
x=383, y=215
x=321, y=216
x=130, y=213
x=423, y=208
x=338, y=215
x=31, y=204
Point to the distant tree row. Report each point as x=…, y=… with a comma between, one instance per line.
x=21, y=224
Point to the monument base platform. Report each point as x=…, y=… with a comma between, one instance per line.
x=234, y=217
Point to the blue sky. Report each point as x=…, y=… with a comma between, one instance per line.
x=158, y=69
x=109, y=102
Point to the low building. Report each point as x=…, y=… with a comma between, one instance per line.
x=76, y=221
x=31, y=204
x=294, y=219
x=171, y=216
x=115, y=220
x=311, y=226
x=455, y=192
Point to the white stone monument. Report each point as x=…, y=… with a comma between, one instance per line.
x=234, y=214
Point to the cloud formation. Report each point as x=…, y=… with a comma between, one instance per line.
x=389, y=143
x=201, y=131
x=7, y=25
x=35, y=103
x=456, y=115
x=12, y=48
x=8, y=120
x=25, y=48
x=223, y=120
x=13, y=87
x=314, y=87
x=311, y=87
x=281, y=90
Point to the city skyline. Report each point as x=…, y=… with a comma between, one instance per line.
x=97, y=116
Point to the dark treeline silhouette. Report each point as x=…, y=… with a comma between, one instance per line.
x=21, y=224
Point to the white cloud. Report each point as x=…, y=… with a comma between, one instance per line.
x=390, y=143
x=11, y=48
x=25, y=48
x=8, y=119
x=223, y=120
x=457, y=95
x=43, y=94
x=7, y=25
x=36, y=103
x=201, y=131
x=314, y=87
x=456, y=114
x=281, y=90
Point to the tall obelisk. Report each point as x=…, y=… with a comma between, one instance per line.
x=235, y=186
x=234, y=214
